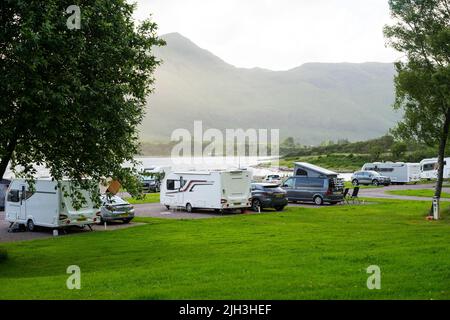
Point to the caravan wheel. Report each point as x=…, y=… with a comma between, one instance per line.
x=30, y=225
x=189, y=208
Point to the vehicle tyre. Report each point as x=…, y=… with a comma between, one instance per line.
x=318, y=200
x=355, y=182
x=30, y=226
x=375, y=183
x=281, y=208
x=188, y=208
x=256, y=205
x=126, y=221
x=167, y=207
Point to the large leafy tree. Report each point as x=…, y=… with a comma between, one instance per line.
x=422, y=32
x=71, y=99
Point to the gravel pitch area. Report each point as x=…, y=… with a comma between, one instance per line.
x=6, y=236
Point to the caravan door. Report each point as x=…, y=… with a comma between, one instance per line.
x=16, y=202
x=174, y=197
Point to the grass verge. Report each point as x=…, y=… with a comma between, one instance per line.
x=302, y=253
x=426, y=193
x=148, y=198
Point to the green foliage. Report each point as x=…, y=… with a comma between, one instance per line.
x=72, y=99
x=361, y=147
x=422, y=33
x=399, y=149
x=376, y=152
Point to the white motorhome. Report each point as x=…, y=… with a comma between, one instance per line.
x=46, y=205
x=428, y=168
x=219, y=190
x=399, y=172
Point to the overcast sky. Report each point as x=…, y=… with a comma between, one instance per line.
x=278, y=34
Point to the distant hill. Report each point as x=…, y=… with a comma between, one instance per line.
x=312, y=103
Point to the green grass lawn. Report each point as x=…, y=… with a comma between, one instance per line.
x=429, y=193
x=148, y=198
x=303, y=253
x=348, y=184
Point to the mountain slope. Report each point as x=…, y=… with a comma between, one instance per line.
x=313, y=103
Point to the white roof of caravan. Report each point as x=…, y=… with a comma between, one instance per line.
x=315, y=168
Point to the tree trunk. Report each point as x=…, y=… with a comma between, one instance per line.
x=7, y=156
x=442, y=144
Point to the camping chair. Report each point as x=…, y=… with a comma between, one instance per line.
x=354, y=196
x=345, y=195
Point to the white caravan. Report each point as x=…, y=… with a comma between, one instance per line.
x=45, y=205
x=219, y=190
x=428, y=168
x=399, y=172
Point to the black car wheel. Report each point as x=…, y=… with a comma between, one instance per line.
x=126, y=221
x=280, y=208
x=256, y=205
x=375, y=183
x=355, y=182
x=30, y=226
x=318, y=200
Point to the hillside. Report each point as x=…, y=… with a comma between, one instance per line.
x=313, y=103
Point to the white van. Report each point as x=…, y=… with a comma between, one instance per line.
x=428, y=168
x=399, y=172
x=219, y=190
x=47, y=206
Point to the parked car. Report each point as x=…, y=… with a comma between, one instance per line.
x=319, y=190
x=150, y=184
x=115, y=208
x=370, y=178
x=273, y=178
x=267, y=195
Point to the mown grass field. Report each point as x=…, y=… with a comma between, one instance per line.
x=428, y=193
x=303, y=253
x=148, y=198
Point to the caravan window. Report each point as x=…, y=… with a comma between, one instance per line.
x=301, y=172
x=173, y=185
x=13, y=196
x=385, y=170
x=428, y=167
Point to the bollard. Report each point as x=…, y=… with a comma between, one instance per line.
x=55, y=232
x=436, y=208
x=105, y=225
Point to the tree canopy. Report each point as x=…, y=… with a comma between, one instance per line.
x=422, y=33
x=71, y=99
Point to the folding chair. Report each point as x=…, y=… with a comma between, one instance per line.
x=354, y=196
x=345, y=195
